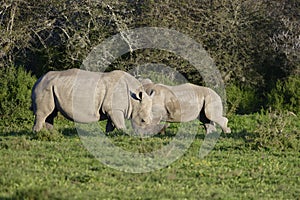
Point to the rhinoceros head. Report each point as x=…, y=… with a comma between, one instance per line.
x=142, y=109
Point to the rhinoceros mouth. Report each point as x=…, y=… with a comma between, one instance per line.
x=147, y=131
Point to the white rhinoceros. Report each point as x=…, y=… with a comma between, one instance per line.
x=186, y=102
x=85, y=96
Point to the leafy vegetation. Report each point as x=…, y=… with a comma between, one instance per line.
x=15, y=92
x=286, y=95
x=241, y=99
x=253, y=43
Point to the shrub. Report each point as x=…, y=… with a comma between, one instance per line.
x=15, y=91
x=286, y=95
x=275, y=130
x=242, y=100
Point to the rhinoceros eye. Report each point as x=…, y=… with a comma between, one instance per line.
x=142, y=120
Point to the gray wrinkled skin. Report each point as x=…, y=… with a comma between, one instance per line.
x=85, y=97
x=186, y=102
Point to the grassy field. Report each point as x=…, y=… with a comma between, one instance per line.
x=260, y=159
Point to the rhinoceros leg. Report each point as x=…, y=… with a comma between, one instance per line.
x=43, y=110
x=213, y=112
x=50, y=119
x=222, y=121
x=109, y=126
x=39, y=122
x=210, y=127
x=117, y=118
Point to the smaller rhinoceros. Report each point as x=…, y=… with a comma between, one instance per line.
x=85, y=97
x=186, y=102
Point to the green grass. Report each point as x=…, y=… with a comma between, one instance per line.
x=256, y=161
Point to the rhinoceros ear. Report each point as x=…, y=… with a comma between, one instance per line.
x=152, y=93
x=138, y=97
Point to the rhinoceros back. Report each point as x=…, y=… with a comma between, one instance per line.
x=79, y=95
x=189, y=102
x=72, y=92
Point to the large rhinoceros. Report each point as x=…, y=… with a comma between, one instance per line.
x=85, y=96
x=186, y=102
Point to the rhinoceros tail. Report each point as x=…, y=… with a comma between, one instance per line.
x=32, y=106
x=33, y=95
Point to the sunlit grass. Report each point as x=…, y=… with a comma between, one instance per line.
x=243, y=165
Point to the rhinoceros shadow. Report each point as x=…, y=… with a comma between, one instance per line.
x=16, y=133
x=29, y=134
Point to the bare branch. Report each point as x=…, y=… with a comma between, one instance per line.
x=121, y=27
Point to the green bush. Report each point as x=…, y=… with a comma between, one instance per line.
x=267, y=130
x=276, y=130
x=286, y=95
x=15, y=92
x=242, y=100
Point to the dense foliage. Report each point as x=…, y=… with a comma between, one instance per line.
x=255, y=44
x=15, y=101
